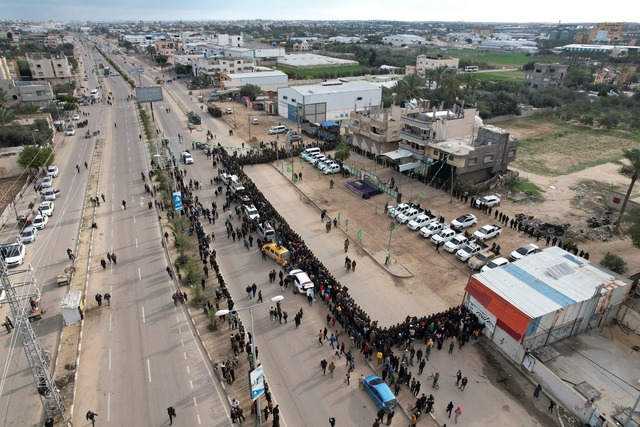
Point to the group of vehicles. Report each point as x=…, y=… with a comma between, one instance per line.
x=314, y=156
x=470, y=249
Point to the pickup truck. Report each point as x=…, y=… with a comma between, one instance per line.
x=433, y=228
x=397, y=210
x=487, y=232
x=468, y=250
x=458, y=241
x=408, y=215
x=444, y=236
x=420, y=221
x=482, y=258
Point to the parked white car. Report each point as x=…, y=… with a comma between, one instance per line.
x=491, y=200
x=444, y=236
x=397, y=210
x=420, y=221
x=524, y=251
x=464, y=221
x=28, y=235
x=331, y=169
x=408, y=215
x=46, y=182
x=50, y=194
x=487, y=232
x=301, y=282
x=498, y=262
x=458, y=241
x=13, y=254
x=40, y=221
x=46, y=208
x=52, y=171
x=432, y=229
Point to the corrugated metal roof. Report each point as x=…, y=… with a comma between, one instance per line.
x=528, y=286
x=342, y=87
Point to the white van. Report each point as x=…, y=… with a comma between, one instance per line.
x=186, y=158
x=309, y=151
x=277, y=129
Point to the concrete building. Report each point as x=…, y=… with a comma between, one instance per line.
x=606, y=32
x=223, y=65
x=345, y=40
x=327, y=101
x=17, y=91
x=49, y=66
x=545, y=75
x=543, y=298
x=453, y=145
x=424, y=63
x=376, y=130
x=402, y=39
x=268, y=81
x=212, y=51
x=168, y=48
x=301, y=46
x=8, y=69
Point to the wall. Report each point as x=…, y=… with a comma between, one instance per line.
x=9, y=167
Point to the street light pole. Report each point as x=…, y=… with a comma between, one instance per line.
x=276, y=298
x=392, y=226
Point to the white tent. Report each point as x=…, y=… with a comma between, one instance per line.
x=71, y=307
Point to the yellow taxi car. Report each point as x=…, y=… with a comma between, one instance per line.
x=278, y=253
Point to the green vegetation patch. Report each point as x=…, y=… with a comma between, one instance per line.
x=533, y=192
x=325, y=72
x=515, y=76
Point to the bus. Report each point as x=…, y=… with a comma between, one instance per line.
x=471, y=69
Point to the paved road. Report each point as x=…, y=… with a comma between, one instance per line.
x=19, y=401
x=139, y=355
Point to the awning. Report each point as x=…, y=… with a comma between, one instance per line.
x=400, y=153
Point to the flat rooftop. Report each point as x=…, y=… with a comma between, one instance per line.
x=309, y=60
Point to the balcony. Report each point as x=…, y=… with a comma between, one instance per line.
x=415, y=138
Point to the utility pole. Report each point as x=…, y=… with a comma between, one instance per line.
x=47, y=390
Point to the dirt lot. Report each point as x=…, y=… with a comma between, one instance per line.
x=9, y=188
x=553, y=148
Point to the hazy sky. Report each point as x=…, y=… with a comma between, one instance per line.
x=402, y=10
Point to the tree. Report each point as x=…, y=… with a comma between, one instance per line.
x=343, y=152
x=33, y=157
x=633, y=156
x=614, y=263
x=409, y=86
x=6, y=117
x=3, y=97
x=252, y=91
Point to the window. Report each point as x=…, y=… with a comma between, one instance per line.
x=472, y=161
x=285, y=97
x=511, y=153
x=293, y=100
x=359, y=98
x=488, y=158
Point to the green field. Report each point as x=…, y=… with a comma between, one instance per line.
x=496, y=76
x=326, y=72
x=498, y=59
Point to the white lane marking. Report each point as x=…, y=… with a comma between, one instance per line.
x=139, y=274
x=110, y=322
x=143, y=318
x=108, y=406
x=199, y=422
x=188, y=370
x=182, y=342
x=134, y=219
x=109, y=359
x=191, y=384
x=136, y=243
x=112, y=232
x=195, y=402
x=149, y=369
x=178, y=321
x=184, y=353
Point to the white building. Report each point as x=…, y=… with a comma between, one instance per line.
x=268, y=81
x=311, y=60
x=424, y=63
x=327, y=101
x=345, y=40
x=223, y=65
x=543, y=298
x=402, y=39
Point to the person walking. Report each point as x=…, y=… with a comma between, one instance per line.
x=103, y=263
x=109, y=257
x=323, y=365
x=436, y=377
x=99, y=300
x=463, y=383
x=332, y=367
x=449, y=408
x=346, y=245
x=113, y=258
x=438, y=247
x=347, y=377
x=78, y=168
x=458, y=378
x=9, y=322
x=353, y=265
x=390, y=417
x=320, y=335
x=86, y=166
x=536, y=392
x=380, y=415
x=124, y=205
x=91, y=416
x=451, y=346
x=107, y=297
x=457, y=413
x=260, y=296
x=172, y=413
x=254, y=289
x=332, y=422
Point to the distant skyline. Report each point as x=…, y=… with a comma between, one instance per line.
x=544, y=11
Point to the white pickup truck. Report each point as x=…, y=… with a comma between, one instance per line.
x=469, y=250
x=487, y=232
x=432, y=229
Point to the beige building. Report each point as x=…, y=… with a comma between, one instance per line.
x=224, y=65
x=168, y=48
x=424, y=63
x=453, y=145
x=375, y=130
x=49, y=66
x=612, y=31
x=302, y=46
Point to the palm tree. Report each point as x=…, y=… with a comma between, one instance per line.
x=343, y=152
x=6, y=117
x=3, y=97
x=633, y=156
x=451, y=89
x=409, y=86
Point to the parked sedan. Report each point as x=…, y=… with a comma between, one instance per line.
x=50, y=194
x=380, y=393
x=40, y=221
x=71, y=131
x=491, y=200
x=28, y=235
x=52, y=171
x=75, y=117
x=46, y=182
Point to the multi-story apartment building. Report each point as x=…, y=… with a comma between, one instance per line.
x=424, y=63
x=301, y=46
x=165, y=47
x=544, y=75
x=376, y=130
x=606, y=32
x=53, y=66
x=453, y=145
x=223, y=65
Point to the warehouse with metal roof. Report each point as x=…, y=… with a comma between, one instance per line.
x=543, y=298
